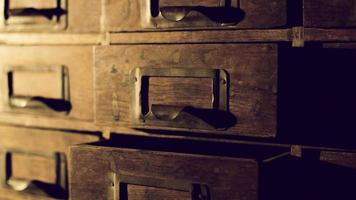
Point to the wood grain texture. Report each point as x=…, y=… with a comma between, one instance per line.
x=330, y=13
x=98, y=168
x=329, y=35
x=51, y=39
x=252, y=70
x=33, y=141
x=136, y=192
x=84, y=16
x=77, y=59
x=345, y=159
x=129, y=15
x=211, y=36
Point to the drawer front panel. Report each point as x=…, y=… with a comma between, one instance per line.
x=228, y=88
x=34, y=163
x=47, y=81
x=144, y=174
x=330, y=13
x=187, y=14
x=50, y=15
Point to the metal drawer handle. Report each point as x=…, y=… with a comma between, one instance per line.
x=198, y=191
x=55, y=190
x=222, y=15
x=37, y=102
x=57, y=105
x=49, y=13
x=218, y=117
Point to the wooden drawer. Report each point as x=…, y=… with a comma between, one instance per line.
x=53, y=82
x=193, y=14
x=316, y=97
x=330, y=13
x=138, y=168
x=210, y=88
x=50, y=15
x=34, y=162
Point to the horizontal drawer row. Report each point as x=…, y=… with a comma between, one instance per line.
x=47, y=164
x=253, y=90
x=117, y=15
x=139, y=170
x=34, y=163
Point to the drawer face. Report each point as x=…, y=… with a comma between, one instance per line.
x=220, y=88
x=47, y=81
x=50, y=15
x=330, y=13
x=145, y=174
x=191, y=14
x=32, y=160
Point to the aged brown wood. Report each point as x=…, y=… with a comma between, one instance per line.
x=132, y=15
x=211, y=36
x=253, y=75
x=31, y=166
x=330, y=13
x=98, y=168
x=51, y=39
x=76, y=59
x=329, y=35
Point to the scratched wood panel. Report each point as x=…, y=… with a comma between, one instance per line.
x=35, y=167
x=225, y=177
x=330, y=13
x=129, y=15
x=252, y=71
x=197, y=92
x=136, y=192
x=77, y=59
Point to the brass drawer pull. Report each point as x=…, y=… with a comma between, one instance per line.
x=217, y=117
x=48, y=13
x=57, y=105
x=56, y=190
x=221, y=15
x=54, y=99
x=197, y=191
x=34, y=14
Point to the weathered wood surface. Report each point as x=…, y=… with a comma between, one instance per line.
x=52, y=39
x=330, y=13
x=77, y=59
x=35, y=167
x=211, y=36
x=252, y=70
x=96, y=171
x=329, y=35
x=130, y=15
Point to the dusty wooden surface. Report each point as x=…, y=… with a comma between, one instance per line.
x=253, y=75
